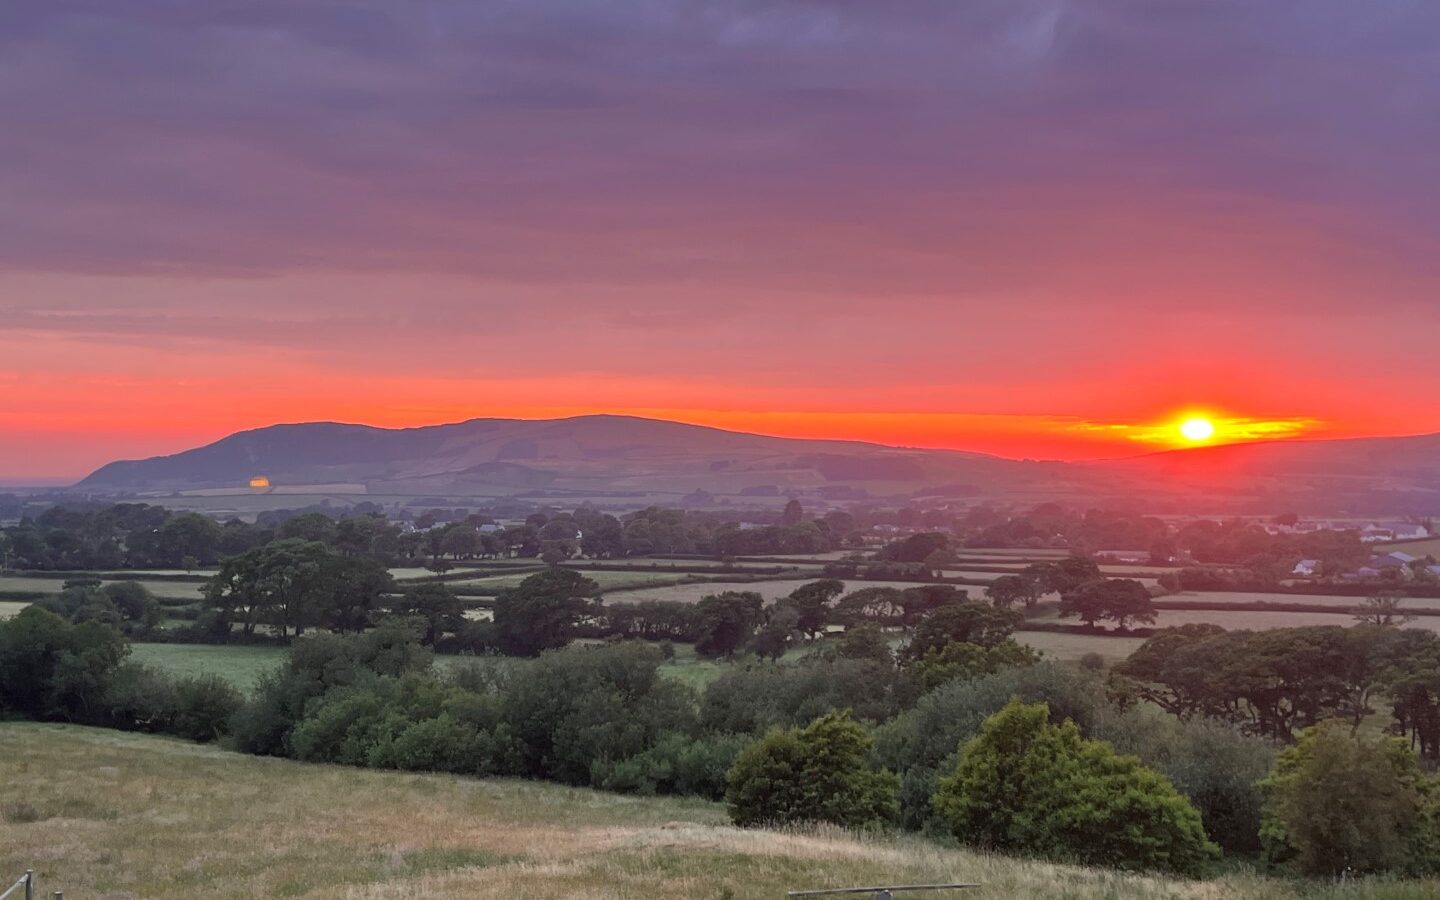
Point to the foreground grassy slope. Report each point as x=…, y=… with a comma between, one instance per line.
x=106, y=814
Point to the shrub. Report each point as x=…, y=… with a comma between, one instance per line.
x=1024, y=784
x=759, y=697
x=1211, y=763
x=820, y=773
x=203, y=707
x=677, y=764
x=51, y=669
x=582, y=704
x=1338, y=802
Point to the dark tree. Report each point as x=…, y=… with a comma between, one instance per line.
x=542, y=611
x=727, y=622
x=1121, y=600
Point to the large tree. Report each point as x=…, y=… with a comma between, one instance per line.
x=727, y=622
x=542, y=611
x=1120, y=600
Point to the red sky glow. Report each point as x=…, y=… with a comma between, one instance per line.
x=1044, y=228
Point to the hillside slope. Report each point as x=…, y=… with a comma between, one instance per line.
x=107, y=814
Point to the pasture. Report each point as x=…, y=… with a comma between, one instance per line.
x=770, y=590
x=104, y=813
x=606, y=580
x=1069, y=647
x=1246, y=620
x=238, y=664
x=29, y=584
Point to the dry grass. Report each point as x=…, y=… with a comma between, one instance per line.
x=105, y=814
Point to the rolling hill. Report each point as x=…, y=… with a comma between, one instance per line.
x=607, y=454
x=586, y=453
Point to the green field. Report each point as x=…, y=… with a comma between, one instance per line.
x=178, y=589
x=1256, y=621
x=770, y=590
x=240, y=665
x=1063, y=646
x=109, y=814
x=606, y=580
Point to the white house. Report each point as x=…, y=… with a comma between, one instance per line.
x=1307, y=568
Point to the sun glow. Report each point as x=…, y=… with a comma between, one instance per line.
x=1197, y=429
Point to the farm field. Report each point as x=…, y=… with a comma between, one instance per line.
x=1254, y=621
x=10, y=608
x=770, y=590
x=238, y=664
x=1069, y=647
x=688, y=564
x=104, y=813
x=1341, y=603
x=29, y=584
x=606, y=580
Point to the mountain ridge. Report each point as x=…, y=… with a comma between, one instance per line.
x=593, y=454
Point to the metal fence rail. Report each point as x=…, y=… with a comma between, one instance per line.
x=883, y=892
x=26, y=883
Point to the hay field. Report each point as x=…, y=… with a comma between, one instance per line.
x=770, y=590
x=108, y=814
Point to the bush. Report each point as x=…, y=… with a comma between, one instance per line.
x=203, y=708
x=677, y=764
x=583, y=704
x=1026, y=785
x=1336, y=802
x=1209, y=762
x=820, y=773
x=51, y=669
x=759, y=697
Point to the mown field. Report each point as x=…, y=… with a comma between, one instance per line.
x=29, y=584
x=107, y=814
x=242, y=665
x=770, y=590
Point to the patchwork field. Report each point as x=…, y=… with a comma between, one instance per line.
x=240, y=665
x=1255, y=621
x=189, y=590
x=770, y=590
x=1070, y=647
x=606, y=580
x=107, y=814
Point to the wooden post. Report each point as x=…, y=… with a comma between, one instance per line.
x=29, y=884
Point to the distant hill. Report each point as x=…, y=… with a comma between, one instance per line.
x=1363, y=476
x=596, y=455
x=585, y=453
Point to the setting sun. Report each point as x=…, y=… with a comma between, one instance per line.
x=1197, y=429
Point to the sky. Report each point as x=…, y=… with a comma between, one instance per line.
x=1036, y=228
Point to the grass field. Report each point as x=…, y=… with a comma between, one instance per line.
x=1342, y=603
x=180, y=589
x=770, y=590
x=1061, y=646
x=240, y=665
x=606, y=580
x=108, y=814
x=1256, y=621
